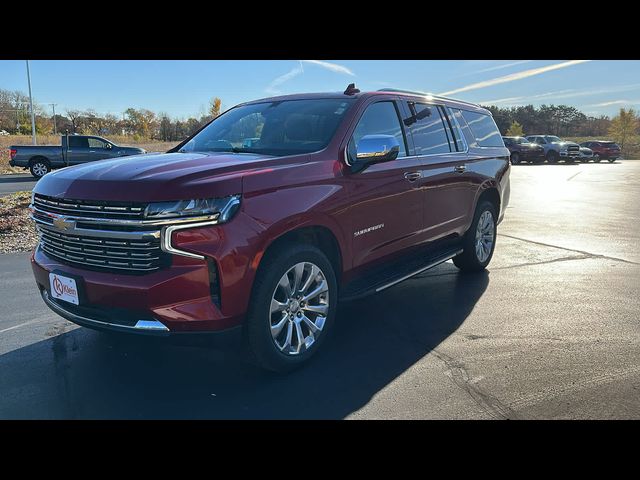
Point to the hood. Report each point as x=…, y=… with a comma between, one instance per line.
x=160, y=177
x=567, y=144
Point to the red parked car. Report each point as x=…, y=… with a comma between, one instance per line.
x=336, y=196
x=603, y=150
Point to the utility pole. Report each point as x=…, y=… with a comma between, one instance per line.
x=53, y=105
x=33, y=116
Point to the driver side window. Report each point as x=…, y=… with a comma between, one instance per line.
x=95, y=143
x=380, y=118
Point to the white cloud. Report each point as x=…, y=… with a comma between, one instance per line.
x=615, y=102
x=273, y=89
x=334, y=67
x=514, y=76
x=497, y=67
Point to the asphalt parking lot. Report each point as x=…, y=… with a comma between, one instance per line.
x=16, y=182
x=551, y=331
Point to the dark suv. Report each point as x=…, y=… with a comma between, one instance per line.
x=603, y=149
x=337, y=195
x=523, y=150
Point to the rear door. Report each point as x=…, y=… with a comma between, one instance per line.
x=78, y=149
x=386, y=204
x=441, y=155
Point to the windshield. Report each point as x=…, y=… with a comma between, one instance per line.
x=552, y=139
x=520, y=140
x=273, y=128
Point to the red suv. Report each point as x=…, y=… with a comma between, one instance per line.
x=336, y=196
x=603, y=149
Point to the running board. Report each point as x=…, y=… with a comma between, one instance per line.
x=363, y=287
x=434, y=263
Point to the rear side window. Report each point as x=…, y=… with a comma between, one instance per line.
x=455, y=129
x=466, y=131
x=78, y=142
x=429, y=130
x=484, y=129
x=380, y=119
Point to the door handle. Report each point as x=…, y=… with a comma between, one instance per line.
x=412, y=176
x=460, y=168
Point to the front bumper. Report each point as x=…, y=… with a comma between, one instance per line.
x=532, y=153
x=171, y=300
x=227, y=337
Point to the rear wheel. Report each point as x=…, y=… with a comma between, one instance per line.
x=611, y=160
x=480, y=240
x=515, y=158
x=39, y=167
x=552, y=157
x=292, y=308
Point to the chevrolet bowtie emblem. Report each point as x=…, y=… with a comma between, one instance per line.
x=64, y=224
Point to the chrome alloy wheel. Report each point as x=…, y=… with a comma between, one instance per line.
x=299, y=308
x=484, y=236
x=40, y=169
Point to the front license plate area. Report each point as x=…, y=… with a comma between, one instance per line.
x=64, y=288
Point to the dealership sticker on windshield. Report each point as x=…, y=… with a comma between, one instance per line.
x=63, y=288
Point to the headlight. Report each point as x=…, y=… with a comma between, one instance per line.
x=224, y=208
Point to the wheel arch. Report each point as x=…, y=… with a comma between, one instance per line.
x=318, y=235
x=489, y=191
x=33, y=159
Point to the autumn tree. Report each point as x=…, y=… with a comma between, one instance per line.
x=75, y=119
x=623, y=126
x=215, y=105
x=515, y=130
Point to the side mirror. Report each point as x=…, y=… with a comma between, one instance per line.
x=374, y=149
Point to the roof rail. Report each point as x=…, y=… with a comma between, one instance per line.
x=426, y=94
x=398, y=90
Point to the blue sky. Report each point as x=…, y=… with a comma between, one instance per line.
x=183, y=88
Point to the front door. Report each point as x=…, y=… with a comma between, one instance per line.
x=386, y=205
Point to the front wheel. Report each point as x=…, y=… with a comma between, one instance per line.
x=480, y=240
x=292, y=307
x=39, y=168
x=553, y=157
x=596, y=158
x=515, y=158
x=611, y=160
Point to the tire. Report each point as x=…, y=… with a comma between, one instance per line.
x=552, y=157
x=470, y=260
x=269, y=350
x=596, y=158
x=39, y=167
x=515, y=158
x=611, y=160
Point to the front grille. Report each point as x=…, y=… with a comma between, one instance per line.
x=92, y=209
x=573, y=148
x=115, y=254
x=98, y=235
